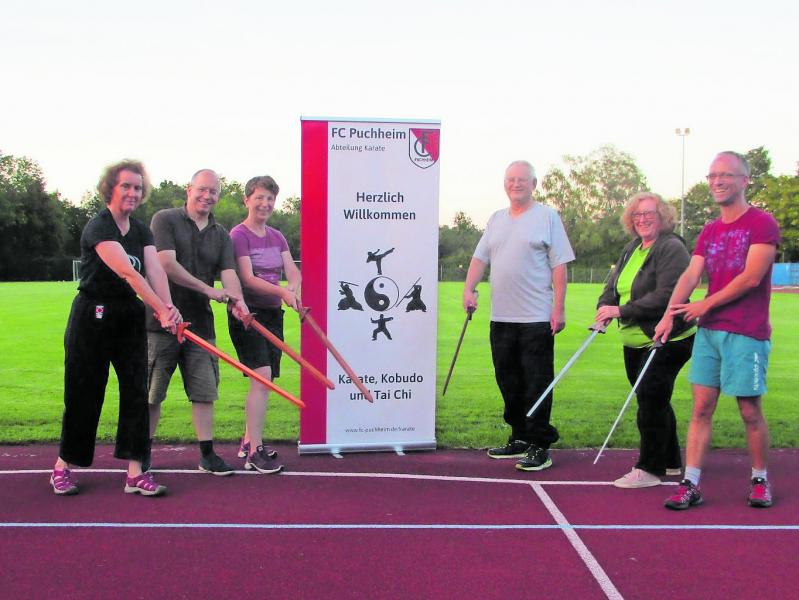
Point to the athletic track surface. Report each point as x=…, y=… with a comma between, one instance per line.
x=445, y=524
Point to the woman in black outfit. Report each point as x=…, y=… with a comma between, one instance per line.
x=106, y=327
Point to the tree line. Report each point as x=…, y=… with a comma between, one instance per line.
x=590, y=192
x=40, y=231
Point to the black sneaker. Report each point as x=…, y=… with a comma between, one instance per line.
x=536, y=459
x=244, y=450
x=513, y=449
x=214, y=465
x=263, y=461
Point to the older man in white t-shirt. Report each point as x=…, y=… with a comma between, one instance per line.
x=528, y=250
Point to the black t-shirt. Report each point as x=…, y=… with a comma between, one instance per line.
x=204, y=254
x=96, y=277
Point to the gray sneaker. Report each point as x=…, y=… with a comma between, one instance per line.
x=263, y=461
x=214, y=465
x=637, y=478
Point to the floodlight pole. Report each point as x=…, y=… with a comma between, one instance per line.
x=682, y=133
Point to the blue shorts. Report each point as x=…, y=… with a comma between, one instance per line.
x=734, y=363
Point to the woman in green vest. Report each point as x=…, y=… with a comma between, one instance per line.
x=636, y=295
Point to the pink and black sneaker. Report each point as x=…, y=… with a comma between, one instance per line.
x=687, y=495
x=760, y=493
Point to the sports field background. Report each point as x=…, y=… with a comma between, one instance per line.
x=587, y=400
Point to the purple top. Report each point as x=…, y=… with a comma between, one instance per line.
x=724, y=247
x=267, y=262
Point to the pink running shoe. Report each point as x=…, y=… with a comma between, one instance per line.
x=144, y=484
x=760, y=493
x=687, y=495
x=62, y=482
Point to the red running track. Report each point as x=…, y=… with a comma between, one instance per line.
x=447, y=524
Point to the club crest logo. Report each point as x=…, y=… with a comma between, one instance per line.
x=381, y=294
x=423, y=145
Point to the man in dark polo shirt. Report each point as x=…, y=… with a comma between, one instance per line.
x=193, y=248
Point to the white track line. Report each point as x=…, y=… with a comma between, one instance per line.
x=333, y=474
x=582, y=550
x=400, y=526
x=536, y=486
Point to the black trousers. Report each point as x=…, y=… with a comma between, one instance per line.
x=660, y=448
x=523, y=355
x=102, y=333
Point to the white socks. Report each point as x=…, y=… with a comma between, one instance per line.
x=693, y=474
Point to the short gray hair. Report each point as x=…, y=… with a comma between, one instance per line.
x=741, y=161
x=525, y=164
x=212, y=172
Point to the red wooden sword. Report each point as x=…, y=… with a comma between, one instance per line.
x=184, y=333
x=305, y=317
x=249, y=321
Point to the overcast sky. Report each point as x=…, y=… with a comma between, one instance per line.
x=186, y=84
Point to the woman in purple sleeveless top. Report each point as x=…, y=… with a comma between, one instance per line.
x=262, y=255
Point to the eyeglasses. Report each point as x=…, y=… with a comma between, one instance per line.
x=722, y=176
x=647, y=215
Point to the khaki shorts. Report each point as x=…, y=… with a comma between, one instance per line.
x=199, y=369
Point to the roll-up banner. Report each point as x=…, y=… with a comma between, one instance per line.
x=369, y=231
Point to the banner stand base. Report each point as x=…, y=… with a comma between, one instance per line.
x=336, y=450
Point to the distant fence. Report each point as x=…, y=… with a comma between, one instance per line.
x=785, y=274
x=37, y=269
x=575, y=274
x=589, y=274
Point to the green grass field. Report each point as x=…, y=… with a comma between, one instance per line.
x=587, y=400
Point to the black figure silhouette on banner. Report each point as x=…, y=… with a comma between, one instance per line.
x=378, y=258
x=381, y=326
x=348, y=301
x=415, y=296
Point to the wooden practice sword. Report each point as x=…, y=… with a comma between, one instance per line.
x=305, y=317
x=250, y=321
x=469, y=313
x=184, y=333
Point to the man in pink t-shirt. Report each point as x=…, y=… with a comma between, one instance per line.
x=731, y=349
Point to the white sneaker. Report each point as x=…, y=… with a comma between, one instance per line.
x=637, y=478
